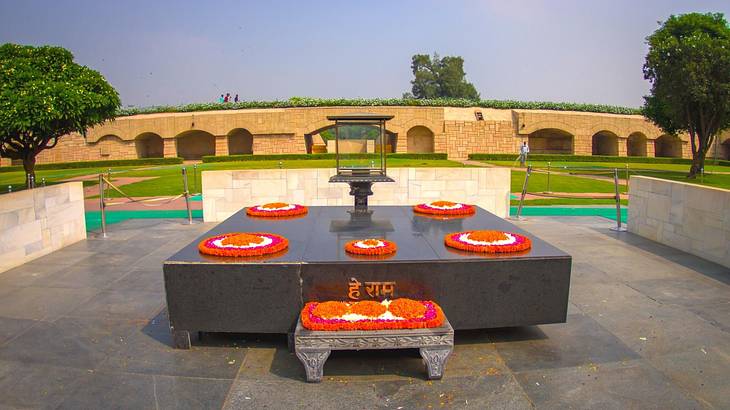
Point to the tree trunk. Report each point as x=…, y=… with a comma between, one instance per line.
x=29, y=167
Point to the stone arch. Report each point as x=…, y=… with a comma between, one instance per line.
x=321, y=141
x=668, y=146
x=636, y=145
x=420, y=139
x=240, y=141
x=550, y=141
x=604, y=143
x=149, y=145
x=194, y=144
x=725, y=150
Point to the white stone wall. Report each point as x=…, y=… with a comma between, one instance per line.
x=225, y=192
x=689, y=217
x=39, y=221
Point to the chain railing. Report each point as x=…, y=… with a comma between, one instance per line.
x=105, y=182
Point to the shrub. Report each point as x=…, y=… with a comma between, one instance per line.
x=382, y=102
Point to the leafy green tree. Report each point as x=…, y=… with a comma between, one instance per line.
x=688, y=65
x=439, y=78
x=45, y=95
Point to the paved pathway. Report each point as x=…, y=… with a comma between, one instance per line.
x=648, y=327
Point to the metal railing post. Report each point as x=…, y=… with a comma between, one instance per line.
x=187, y=195
x=548, y=179
x=618, y=227
x=43, y=182
x=10, y=188
x=627, y=178
x=108, y=176
x=31, y=181
x=195, y=179
x=524, y=192
x=102, y=205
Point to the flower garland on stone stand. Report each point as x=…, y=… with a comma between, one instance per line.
x=372, y=315
x=237, y=244
x=276, y=209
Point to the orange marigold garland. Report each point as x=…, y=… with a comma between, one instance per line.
x=488, y=241
x=421, y=314
x=444, y=208
x=276, y=209
x=243, y=244
x=371, y=247
x=407, y=308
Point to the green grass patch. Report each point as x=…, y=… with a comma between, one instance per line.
x=169, y=179
x=97, y=164
x=560, y=183
x=53, y=176
x=590, y=158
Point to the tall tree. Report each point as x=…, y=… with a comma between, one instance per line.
x=688, y=65
x=440, y=78
x=45, y=95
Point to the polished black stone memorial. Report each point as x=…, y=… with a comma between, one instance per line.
x=265, y=295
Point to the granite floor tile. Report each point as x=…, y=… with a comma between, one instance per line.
x=702, y=371
x=11, y=328
x=112, y=391
x=648, y=327
x=633, y=384
x=328, y=395
x=149, y=280
x=28, y=385
x=580, y=341
x=86, y=276
x=43, y=303
x=124, y=304
x=685, y=292
x=153, y=353
x=717, y=314
x=499, y=391
x=183, y=393
x=70, y=342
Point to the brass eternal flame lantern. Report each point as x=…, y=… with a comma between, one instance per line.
x=360, y=146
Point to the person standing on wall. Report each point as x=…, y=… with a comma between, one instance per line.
x=235, y=99
x=524, y=150
x=221, y=99
x=227, y=98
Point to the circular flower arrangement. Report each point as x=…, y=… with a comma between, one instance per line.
x=371, y=315
x=243, y=244
x=488, y=241
x=276, y=209
x=371, y=247
x=444, y=208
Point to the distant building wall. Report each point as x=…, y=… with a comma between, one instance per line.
x=455, y=131
x=225, y=192
x=39, y=221
x=689, y=217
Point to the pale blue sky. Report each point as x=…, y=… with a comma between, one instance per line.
x=170, y=52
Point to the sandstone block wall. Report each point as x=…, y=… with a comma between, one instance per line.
x=689, y=217
x=455, y=131
x=226, y=192
x=39, y=221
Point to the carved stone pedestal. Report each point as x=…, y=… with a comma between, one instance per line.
x=314, y=347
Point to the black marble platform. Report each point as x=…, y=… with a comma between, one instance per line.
x=265, y=295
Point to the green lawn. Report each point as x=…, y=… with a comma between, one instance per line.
x=53, y=176
x=675, y=172
x=169, y=181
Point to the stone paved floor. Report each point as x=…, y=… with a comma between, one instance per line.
x=648, y=327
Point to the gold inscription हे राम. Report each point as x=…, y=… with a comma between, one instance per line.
x=373, y=289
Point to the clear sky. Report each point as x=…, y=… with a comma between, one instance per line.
x=171, y=52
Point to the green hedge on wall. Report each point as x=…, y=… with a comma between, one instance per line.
x=97, y=164
x=283, y=157
x=383, y=102
x=591, y=158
